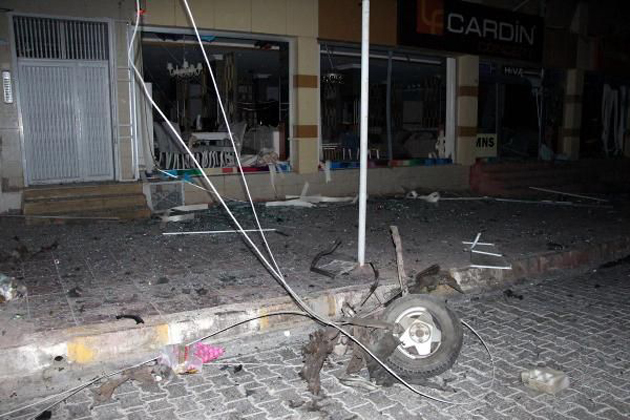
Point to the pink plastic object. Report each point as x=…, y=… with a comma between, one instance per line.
x=189, y=359
x=206, y=352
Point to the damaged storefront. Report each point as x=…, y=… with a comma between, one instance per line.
x=251, y=74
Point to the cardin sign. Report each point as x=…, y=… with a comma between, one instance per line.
x=470, y=28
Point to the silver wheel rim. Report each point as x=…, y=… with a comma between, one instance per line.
x=421, y=336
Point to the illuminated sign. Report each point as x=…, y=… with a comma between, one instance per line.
x=469, y=28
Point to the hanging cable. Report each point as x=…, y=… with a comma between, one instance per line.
x=273, y=270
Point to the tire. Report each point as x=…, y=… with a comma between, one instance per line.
x=424, y=363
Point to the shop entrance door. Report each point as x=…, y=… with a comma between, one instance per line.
x=63, y=70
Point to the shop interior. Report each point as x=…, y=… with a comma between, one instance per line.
x=523, y=107
x=252, y=78
x=416, y=109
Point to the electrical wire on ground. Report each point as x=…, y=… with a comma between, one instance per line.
x=273, y=269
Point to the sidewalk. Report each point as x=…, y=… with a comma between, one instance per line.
x=187, y=286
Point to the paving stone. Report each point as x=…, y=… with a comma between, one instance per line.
x=597, y=391
x=108, y=412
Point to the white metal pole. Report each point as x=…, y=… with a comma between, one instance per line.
x=363, y=144
x=388, y=107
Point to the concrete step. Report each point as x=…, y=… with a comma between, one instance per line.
x=81, y=190
x=511, y=179
x=80, y=204
x=122, y=200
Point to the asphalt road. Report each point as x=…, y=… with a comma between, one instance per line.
x=579, y=324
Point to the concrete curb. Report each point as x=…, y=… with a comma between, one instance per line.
x=117, y=341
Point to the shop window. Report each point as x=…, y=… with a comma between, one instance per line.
x=252, y=77
x=417, y=104
x=522, y=107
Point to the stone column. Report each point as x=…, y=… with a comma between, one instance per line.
x=304, y=147
x=467, y=95
x=572, y=119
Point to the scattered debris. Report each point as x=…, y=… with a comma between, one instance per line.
x=545, y=380
x=49, y=248
x=430, y=278
x=402, y=277
x=104, y=392
x=44, y=415
x=177, y=218
x=620, y=261
x=191, y=207
x=334, y=267
x=290, y=203
x=382, y=343
x=22, y=253
x=317, y=199
x=491, y=267
x=435, y=198
x=478, y=243
x=142, y=374
x=432, y=198
x=136, y=318
x=586, y=197
x=373, y=287
x=11, y=288
x=509, y=293
x=358, y=382
x=338, y=267
x=309, y=201
x=492, y=254
x=184, y=359
x=473, y=250
x=315, y=352
x=553, y=246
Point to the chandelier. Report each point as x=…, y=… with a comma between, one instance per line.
x=185, y=71
x=333, y=78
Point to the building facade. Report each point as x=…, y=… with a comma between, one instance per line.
x=451, y=82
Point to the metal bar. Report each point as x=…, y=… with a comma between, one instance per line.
x=84, y=41
x=493, y=267
x=31, y=37
x=365, y=78
x=586, y=197
x=493, y=254
x=37, y=27
x=100, y=37
x=18, y=35
x=68, y=39
x=399, y=260
x=474, y=244
x=49, y=39
x=203, y=232
x=478, y=243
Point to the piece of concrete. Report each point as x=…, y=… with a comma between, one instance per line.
x=545, y=380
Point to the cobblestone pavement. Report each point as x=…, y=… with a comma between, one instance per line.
x=100, y=270
x=579, y=324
